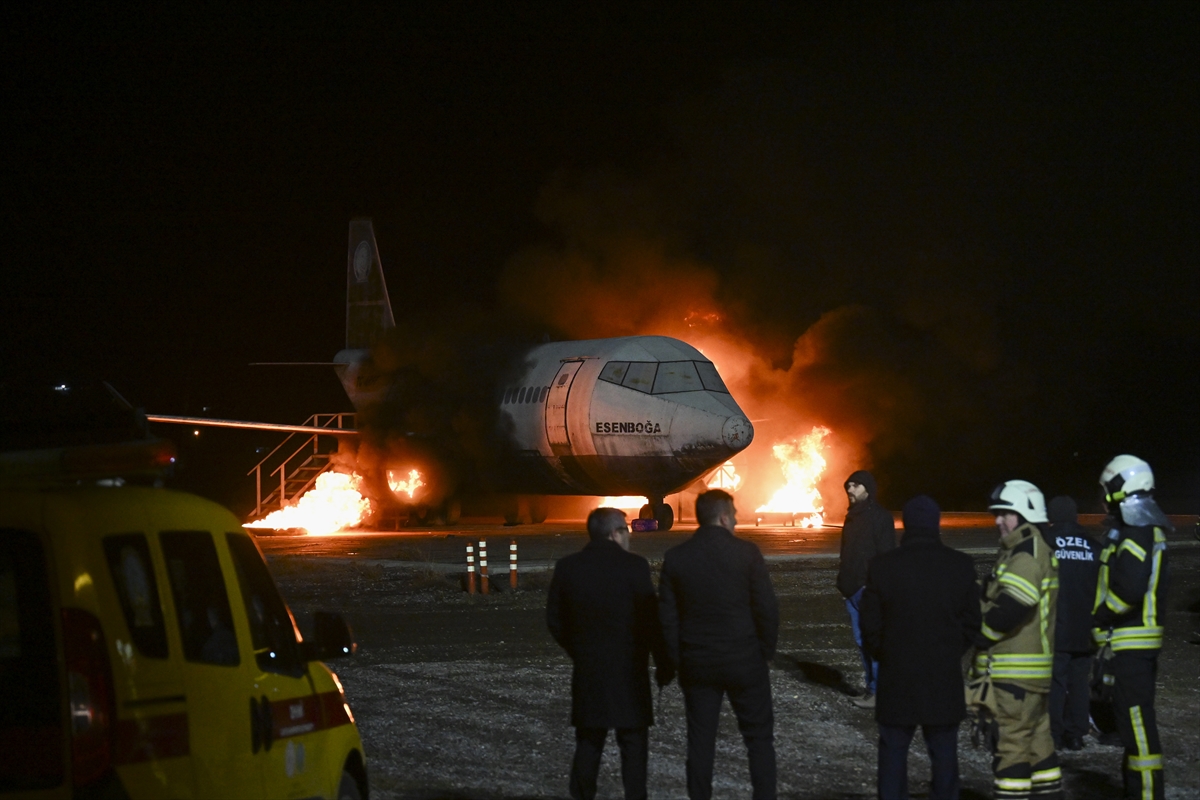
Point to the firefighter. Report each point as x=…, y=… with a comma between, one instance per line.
x=1129, y=593
x=1014, y=668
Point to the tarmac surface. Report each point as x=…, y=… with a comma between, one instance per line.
x=538, y=546
x=467, y=696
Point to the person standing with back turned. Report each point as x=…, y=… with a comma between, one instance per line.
x=920, y=613
x=1078, y=566
x=868, y=531
x=721, y=621
x=602, y=610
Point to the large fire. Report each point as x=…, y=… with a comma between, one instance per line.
x=408, y=487
x=625, y=502
x=802, y=460
x=333, y=504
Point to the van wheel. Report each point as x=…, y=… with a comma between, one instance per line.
x=348, y=788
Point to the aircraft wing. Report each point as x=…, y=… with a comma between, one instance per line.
x=259, y=426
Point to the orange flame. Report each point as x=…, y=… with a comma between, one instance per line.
x=625, y=502
x=802, y=460
x=333, y=504
x=725, y=478
x=409, y=486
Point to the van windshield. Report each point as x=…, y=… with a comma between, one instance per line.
x=31, y=735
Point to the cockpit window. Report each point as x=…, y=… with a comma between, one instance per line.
x=614, y=371
x=664, y=378
x=640, y=376
x=676, y=376
x=708, y=374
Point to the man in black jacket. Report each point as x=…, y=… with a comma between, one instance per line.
x=920, y=613
x=602, y=610
x=868, y=531
x=721, y=621
x=1078, y=567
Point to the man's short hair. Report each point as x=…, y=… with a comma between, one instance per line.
x=603, y=521
x=711, y=504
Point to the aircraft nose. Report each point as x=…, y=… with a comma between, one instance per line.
x=737, y=433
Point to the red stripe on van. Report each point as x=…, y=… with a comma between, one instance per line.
x=150, y=738
x=308, y=714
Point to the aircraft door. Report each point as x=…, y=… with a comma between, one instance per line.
x=556, y=408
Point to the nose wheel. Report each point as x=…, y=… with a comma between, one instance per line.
x=656, y=509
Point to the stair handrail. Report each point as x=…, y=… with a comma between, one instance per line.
x=321, y=420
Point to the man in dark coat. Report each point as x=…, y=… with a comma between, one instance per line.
x=868, y=531
x=602, y=610
x=721, y=621
x=920, y=613
x=1078, y=568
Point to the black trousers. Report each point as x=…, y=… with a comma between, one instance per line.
x=1070, y=696
x=589, y=747
x=942, y=743
x=749, y=691
x=1133, y=703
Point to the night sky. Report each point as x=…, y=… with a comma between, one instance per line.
x=980, y=219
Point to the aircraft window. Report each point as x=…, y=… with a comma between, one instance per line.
x=133, y=574
x=676, y=376
x=708, y=374
x=614, y=371
x=508, y=393
x=545, y=391
x=521, y=395
x=205, y=622
x=640, y=375
x=272, y=629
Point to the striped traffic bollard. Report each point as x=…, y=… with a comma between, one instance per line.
x=470, y=569
x=512, y=564
x=483, y=576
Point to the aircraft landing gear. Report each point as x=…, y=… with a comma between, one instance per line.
x=525, y=509
x=658, y=510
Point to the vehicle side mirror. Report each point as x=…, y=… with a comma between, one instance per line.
x=331, y=638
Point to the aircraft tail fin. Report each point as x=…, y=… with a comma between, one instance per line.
x=368, y=309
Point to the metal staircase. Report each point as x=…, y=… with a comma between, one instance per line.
x=293, y=466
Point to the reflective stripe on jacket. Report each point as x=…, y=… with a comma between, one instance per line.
x=1130, y=589
x=1026, y=571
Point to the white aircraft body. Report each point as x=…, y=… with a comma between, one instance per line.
x=636, y=415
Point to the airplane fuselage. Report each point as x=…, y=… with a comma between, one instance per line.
x=643, y=415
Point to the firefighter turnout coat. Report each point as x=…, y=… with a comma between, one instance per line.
x=1130, y=594
x=1131, y=589
x=1019, y=600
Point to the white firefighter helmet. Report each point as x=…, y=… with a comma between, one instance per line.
x=1125, y=475
x=1019, y=497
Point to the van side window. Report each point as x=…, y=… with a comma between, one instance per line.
x=31, y=718
x=201, y=602
x=640, y=376
x=272, y=629
x=133, y=574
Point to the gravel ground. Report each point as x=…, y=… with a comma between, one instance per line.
x=461, y=696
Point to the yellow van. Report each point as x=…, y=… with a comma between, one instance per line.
x=145, y=650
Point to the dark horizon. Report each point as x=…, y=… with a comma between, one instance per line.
x=980, y=216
